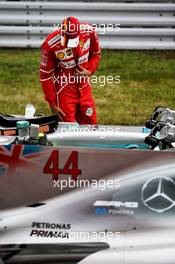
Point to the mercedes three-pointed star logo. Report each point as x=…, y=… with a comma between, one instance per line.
x=158, y=194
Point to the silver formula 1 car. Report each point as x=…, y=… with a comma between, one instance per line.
x=88, y=195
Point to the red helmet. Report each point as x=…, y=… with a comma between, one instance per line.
x=70, y=31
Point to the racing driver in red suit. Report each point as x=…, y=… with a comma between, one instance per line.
x=69, y=56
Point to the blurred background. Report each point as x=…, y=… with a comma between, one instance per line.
x=138, y=49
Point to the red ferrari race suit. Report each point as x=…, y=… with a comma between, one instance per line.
x=57, y=74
